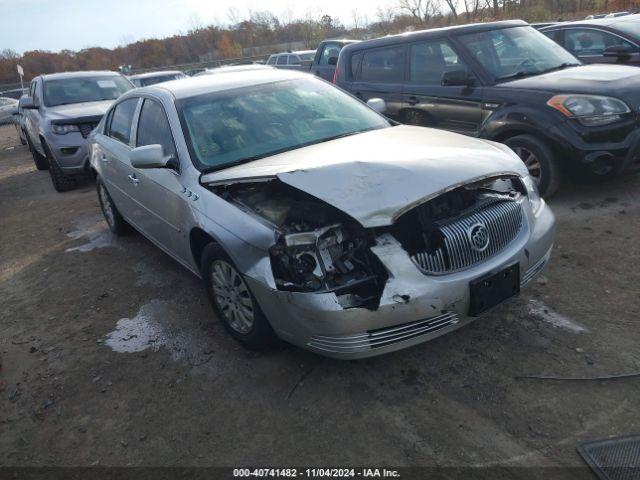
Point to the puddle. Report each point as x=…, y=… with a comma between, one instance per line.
x=543, y=312
x=95, y=231
x=155, y=326
x=149, y=276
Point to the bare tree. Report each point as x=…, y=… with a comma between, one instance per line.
x=386, y=15
x=421, y=10
x=453, y=5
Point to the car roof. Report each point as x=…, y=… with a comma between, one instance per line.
x=302, y=52
x=455, y=30
x=193, y=86
x=90, y=73
x=601, y=22
x=155, y=74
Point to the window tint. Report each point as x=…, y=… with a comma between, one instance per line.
x=84, y=89
x=272, y=60
x=383, y=65
x=36, y=95
x=553, y=35
x=121, y=120
x=356, y=58
x=294, y=60
x=282, y=60
x=429, y=60
x=153, y=128
x=585, y=41
x=329, y=50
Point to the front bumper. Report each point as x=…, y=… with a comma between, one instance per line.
x=600, y=151
x=70, y=151
x=414, y=307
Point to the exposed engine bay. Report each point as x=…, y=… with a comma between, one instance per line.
x=318, y=247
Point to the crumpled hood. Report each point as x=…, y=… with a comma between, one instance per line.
x=79, y=110
x=377, y=175
x=589, y=79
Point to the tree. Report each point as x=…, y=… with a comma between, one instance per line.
x=421, y=10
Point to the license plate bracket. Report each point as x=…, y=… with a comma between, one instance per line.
x=493, y=289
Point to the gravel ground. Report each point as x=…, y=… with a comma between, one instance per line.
x=111, y=354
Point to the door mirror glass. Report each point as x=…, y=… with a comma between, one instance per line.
x=378, y=104
x=457, y=77
x=617, y=51
x=26, y=102
x=149, y=156
x=332, y=61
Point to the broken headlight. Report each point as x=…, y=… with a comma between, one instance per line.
x=321, y=259
x=532, y=193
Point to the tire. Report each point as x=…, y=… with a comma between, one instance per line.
x=40, y=160
x=540, y=160
x=116, y=222
x=61, y=181
x=233, y=302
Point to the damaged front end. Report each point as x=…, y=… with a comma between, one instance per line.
x=318, y=248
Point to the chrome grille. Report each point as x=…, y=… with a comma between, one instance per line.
x=502, y=219
x=86, y=128
x=382, y=337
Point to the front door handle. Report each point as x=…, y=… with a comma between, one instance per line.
x=104, y=159
x=358, y=94
x=412, y=100
x=134, y=179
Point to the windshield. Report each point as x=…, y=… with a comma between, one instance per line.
x=84, y=89
x=244, y=124
x=515, y=52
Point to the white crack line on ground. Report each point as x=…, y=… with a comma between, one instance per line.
x=542, y=311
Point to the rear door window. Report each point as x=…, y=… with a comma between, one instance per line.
x=121, y=120
x=282, y=60
x=154, y=129
x=356, y=58
x=429, y=60
x=294, y=60
x=383, y=65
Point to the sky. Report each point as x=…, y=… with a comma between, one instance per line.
x=55, y=25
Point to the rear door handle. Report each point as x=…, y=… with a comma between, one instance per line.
x=412, y=100
x=134, y=179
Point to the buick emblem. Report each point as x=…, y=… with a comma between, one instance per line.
x=479, y=237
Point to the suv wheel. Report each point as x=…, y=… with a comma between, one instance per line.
x=540, y=160
x=233, y=302
x=117, y=224
x=61, y=181
x=40, y=160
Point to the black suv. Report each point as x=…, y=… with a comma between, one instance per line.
x=507, y=82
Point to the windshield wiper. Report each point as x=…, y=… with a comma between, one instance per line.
x=522, y=73
x=282, y=150
x=562, y=66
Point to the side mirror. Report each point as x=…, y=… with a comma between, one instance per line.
x=378, y=104
x=332, y=61
x=26, y=102
x=150, y=156
x=620, y=51
x=458, y=77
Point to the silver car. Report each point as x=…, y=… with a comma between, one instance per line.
x=59, y=113
x=151, y=78
x=313, y=219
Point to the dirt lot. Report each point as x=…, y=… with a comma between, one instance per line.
x=111, y=354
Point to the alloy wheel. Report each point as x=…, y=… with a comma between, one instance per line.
x=232, y=296
x=531, y=162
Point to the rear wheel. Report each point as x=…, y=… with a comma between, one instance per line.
x=233, y=302
x=540, y=161
x=117, y=224
x=40, y=160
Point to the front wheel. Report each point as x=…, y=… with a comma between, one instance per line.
x=540, y=161
x=117, y=224
x=39, y=160
x=233, y=302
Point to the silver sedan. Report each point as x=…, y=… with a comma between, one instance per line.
x=313, y=219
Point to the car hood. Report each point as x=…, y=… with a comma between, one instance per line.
x=376, y=176
x=79, y=110
x=588, y=79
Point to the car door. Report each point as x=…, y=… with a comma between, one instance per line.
x=161, y=191
x=427, y=102
x=381, y=74
x=588, y=44
x=321, y=66
x=32, y=116
x=113, y=147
